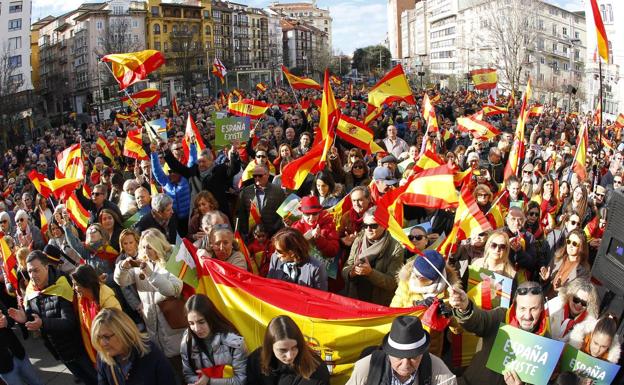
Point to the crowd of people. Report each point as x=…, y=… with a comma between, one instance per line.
x=110, y=282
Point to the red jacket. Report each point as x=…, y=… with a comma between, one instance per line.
x=328, y=242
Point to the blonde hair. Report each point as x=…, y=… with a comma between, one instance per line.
x=509, y=269
x=156, y=240
x=123, y=328
x=21, y=255
x=126, y=233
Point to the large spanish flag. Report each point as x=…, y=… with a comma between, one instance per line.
x=601, y=34
x=129, y=68
x=63, y=187
x=427, y=160
x=357, y=133
x=133, y=146
x=336, y=327
x=392, y=87
x=69, y=163
x=480, y=129
x=39, y=180
x=143, y=99
x=247, y=107
x=328, y=119
x=517, y=149
x=579, y=164
x=297, y=170
x=432, y=188
x=104, y=147
x=299, y=82
x=484, y=78
x=77, y=213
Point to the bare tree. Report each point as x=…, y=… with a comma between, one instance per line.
x=187, y=51
x=117, y=37
x=512, y=28
x=9, y=86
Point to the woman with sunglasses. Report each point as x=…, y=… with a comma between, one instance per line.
x=357, y=175
x=496, y=255
x=533, y=224
x=570, y=262
x=26, y=234
x=556, y=238
x=598, y=338
x=576, y=302
x=353, y=155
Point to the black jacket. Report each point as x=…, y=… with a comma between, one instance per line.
x=148, y=221
x=151, y=369
x=94, y=212
x=282, y=374
x=10, y=346
x=60, y=328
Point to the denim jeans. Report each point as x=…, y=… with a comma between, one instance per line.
x=83, y=369
x=23, y=373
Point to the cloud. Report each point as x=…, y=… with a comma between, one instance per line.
x=357, y=24
x=43, y=8
x=569, y=5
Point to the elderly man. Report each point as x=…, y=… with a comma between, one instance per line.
x=267, y=198
x=351, y=222
x=160, y=217
x=403, y=359
x=526, y=313
x=522, y=251
x=395, y=145
x=143, y=200
x=375, y=258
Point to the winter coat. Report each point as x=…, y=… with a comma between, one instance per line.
x=327, y=242
x=152, y=290
x=580, y=331
x=311, y=273
x=282, y=374
x=439, y=372
x=407, y=295
x=225, y=349
x=37, y=242
x=130, y=293
x=101, y=265
x=557, y=321
x=153, y=368
x=180, y=192
x=10, y=345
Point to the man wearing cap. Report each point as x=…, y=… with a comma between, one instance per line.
x=267, y=197
x=404, y=358
x=390, y=162
x=395, y=145
x=526, y=313
x=383, y=181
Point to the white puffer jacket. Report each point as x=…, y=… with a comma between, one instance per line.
x=577, y=339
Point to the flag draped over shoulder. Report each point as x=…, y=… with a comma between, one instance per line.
x=133, y=146
x=484, y=78
x=247, y=107
x=601, y=33
x=129, y=68
x=392, y=87
x=143, y=99
x=299, y=82
x=336, y=327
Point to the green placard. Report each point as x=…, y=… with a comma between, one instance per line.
x=602, y=372
x=531, y=356
x=231, y=129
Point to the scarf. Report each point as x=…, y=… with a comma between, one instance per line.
x=569, y=322
x=543, y=326
x=356, y=221
x=370, y=251
x=562, y=275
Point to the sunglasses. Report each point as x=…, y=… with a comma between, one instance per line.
x=533, y=290
x=498, y=246
x=417, y=237
x=617, y=181
x=573, y=243
x=482, y=235
x=527, y=172
x=258, y=175
x=4, y=221
x=260, y=156
x=95, y=194
x=533, y=214
x=21, y=219
x=372, y=226
x=579, y=301
x=359, y=167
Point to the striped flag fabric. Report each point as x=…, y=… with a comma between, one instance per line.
x=129, y=68
x=431, y=188
x=78, y=214
x=491, y=110
x=335, y=79
x=254, y=215
x=299, y=82
x=392, y=87
x=253, y=109
x=191, y=135
x=619, y=122
x=480, y=129
x=39, y=181
x=328, y=120
x=9, y=263
x=130, y=118
x=62, y=188
x=144, y=99
x=340, y=208
x=357, y=133
x=174, y=106
x=430, y=115
x=601, y=33
x=484, y=78
x=104, y=147
x=69, y=163
x=252, y=267
x=579, y=163
x=219, y=70
x=133, y=146
x=427, y=160
x=339, y=327
x=536, y=110
x=295, y=172
x=261, y=87
x=218, y=371
x=517, y=149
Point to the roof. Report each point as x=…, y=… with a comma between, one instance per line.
x=42, y=22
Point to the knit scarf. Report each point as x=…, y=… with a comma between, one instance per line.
x=370, y=251
x=543, y=326
x=568, y=321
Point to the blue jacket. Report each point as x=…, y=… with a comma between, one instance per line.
x=180, y=193
x=153, y=369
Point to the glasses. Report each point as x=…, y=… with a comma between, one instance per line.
x=579, y=301
x=372, y=226
x=258, y=175
x=600, y=195
x=417, y=237
x=573, y=243
x=105, y=338
x=483, y=195
x=536, y=290
x=527, y=172
x=358, y=167
x=4, y=221
x=617, y=181
x=95, y=194
x=533, y=214
x=21, y=219
x=498, y=246
x=482, y=235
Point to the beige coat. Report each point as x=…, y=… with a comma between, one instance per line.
x=439, y=372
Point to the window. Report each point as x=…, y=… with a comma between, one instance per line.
x=554, y=30
x=15, y=7
x=554, y=47
x=166, y=46
x=542, y=60
x=566, y=66
x=164, y=28
x=565, y=31
x=565, y=49
x=609, y=18
x=15, y=61
x=135, y=24
x=577, y=35
x=157, y=45
x=15, y=24
x=207, y=31
x=16, y=79
x=540, y=24
x=99, y=25
x=15, y=42
x=155, y=11
x=156, y=29
x=206, y=14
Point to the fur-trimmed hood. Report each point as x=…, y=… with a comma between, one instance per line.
x=577, y=339
x=451, y=275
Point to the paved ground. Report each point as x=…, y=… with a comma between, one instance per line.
x=51, y=371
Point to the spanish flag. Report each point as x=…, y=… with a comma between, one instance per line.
x=392, y=87
x=579, y=163
x=39, y=181
x=358, y=134
x=491, y=110
x=517, y=149
x=254, y=215
x=340, y=209
x=133, y=146
x=336, y=327
x=389, y=214
x=174, y=106
x=427, y=160
x=219, y=371
x=536, y=110
x=78, y=214
x=511, y=103
x=104, y=148
x=335, y=79
x=247, y=107
x=328, y=120
x=143, y=99
x=484, y=78
x=601, y=34
x=130, y=118
x=295, y=172
x=129, y=68
x=480, y=129
x=429, y=114
x=62, y=187
x=191, y=135
x=432, y=188
x=299, y=83
x=619, y=122
x=372, y=113
x=69, y=163
x=9, y=263
x=261, y=87
x=251, y=263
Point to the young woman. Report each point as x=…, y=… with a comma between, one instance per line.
x=570, y=262
x=324, y=188
x=291, y=261
x=92, y=297
x=211, y=342
x=598, y=338
x=125, y=355
x=285, y=358
x=111, y=223
x=357, y=175
x=203, y=202
x=496, y=255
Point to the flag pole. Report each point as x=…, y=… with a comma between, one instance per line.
x=599, y=124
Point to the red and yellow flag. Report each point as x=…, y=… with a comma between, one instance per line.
x=9, y=263
x=143, y=99
x=480, y=129
x=430, y=115
x=247, y=107
x=104, y=147
x=78, y=214
x=328, y=120
x=619, y=122
x=130, y=118
x=295, y=172
x=335, y=79
x=219, y=70
x=251, y=263
x=69, y=163
x=336, y=327
x=174, y=106
x=517, y=149
x=579, y=163
x=39, y=181
x=536, y=110
x=389, y=214
x=133, y=146
x=299, y=82
x=601, y=33
x=428, y=159
x=129, y=68
x=511, y=103
x=62, y=188
x=431, y=188
x=357, y=133
x=261, y=87
x=490, y=110
x=219, y=371
x=191, y=135
x=254, y=215
x=484, y=78
x=392, y=87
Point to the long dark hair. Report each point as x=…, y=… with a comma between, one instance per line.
x=87, y=277
x=282, y=328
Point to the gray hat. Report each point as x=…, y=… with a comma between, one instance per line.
x=389, y=159
x=384, y=174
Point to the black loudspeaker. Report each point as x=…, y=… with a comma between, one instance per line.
x=608, y=267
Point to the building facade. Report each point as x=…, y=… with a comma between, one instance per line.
x=395, y=9
x=15, y=44
x=309, y=13
x=276, y=47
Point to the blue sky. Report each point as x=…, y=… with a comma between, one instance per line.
x=357, y=23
